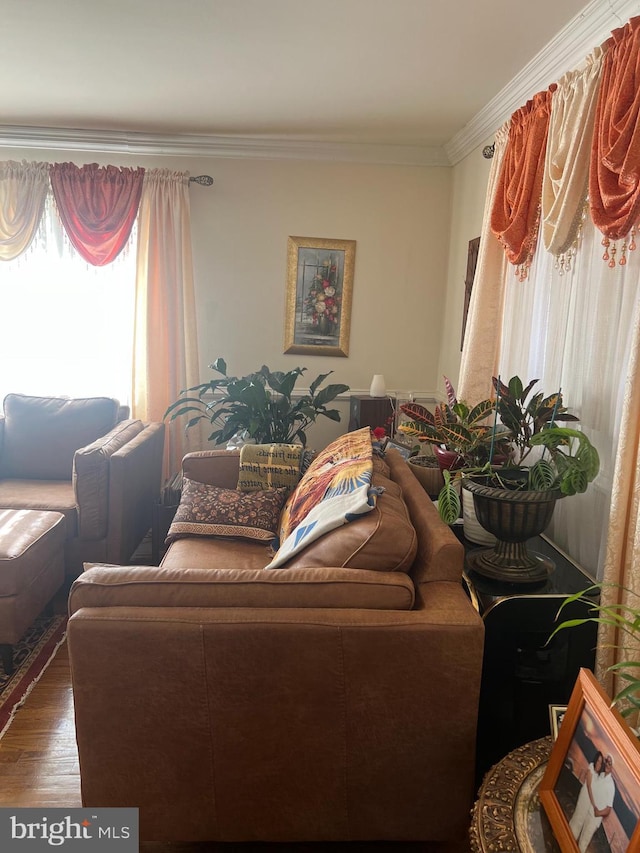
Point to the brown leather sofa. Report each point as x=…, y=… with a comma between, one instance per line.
x=85, y=459
x=327, y=703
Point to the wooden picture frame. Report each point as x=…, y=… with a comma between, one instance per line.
x=319, y=295
x=593, y=731
x=472, y=262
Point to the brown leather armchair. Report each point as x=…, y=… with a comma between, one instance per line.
x=86, y=459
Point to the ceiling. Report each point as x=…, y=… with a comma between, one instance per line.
x=391, y=72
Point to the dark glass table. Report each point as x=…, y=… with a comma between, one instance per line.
x=523, y=673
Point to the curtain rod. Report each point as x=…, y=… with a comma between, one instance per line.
x=203, y=180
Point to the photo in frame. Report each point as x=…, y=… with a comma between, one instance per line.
x=556, y=716
x=590, y=790
x=319, y=294
x=403, y=449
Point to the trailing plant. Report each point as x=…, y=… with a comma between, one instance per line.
x=625, y=619
x=261, y=405
x=572, y=464
x=449, y=504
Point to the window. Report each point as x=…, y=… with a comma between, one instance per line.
x=67, y=327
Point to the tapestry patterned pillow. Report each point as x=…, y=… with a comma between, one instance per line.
x=207, y=510
x=269, y=466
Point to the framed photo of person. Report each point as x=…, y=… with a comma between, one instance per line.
x=591, y=787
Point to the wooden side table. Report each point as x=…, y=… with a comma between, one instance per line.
x=507, y=816
x=371, y=411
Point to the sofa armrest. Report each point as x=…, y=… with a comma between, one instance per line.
x=440, y=553
x=150, y=586
x=91, y=466
x=135, y=475
x=214, y=467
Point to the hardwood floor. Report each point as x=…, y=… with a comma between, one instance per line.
x=38, y=758
x=39, y=767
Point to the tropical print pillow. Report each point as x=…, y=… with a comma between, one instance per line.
x=335, y=490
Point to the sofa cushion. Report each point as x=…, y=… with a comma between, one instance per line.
x=45, y=495
x=41, y=434
x=206, y=510
x=146, y=586
x=91, y=478
x=203, y=552
x=383, y=540
x=380, y=466
x=335, y=490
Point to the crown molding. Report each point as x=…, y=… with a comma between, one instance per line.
x=566, y=51
x=196, y=145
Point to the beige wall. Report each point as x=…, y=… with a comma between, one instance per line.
x=469, y=186
x=399, y=217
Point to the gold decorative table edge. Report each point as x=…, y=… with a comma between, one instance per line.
x=493, y=825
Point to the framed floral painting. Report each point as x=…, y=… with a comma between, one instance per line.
x=319, y=291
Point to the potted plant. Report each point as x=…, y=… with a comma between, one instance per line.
x=426, y=468
x=516, y=502
x=260, y=407
x=463, y=438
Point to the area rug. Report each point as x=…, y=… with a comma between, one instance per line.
x=31, y=656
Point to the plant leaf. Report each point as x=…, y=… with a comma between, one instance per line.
x=448, y=501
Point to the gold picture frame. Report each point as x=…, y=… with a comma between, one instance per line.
x=319, y=294
x=592, y=732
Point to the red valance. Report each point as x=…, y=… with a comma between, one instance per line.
x=614, y=177
x=98, y=206
x=515, y=214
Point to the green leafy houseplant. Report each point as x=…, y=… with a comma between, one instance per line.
x=261, y=405
x=626, y=620
x=516, y=503
x=568, y=463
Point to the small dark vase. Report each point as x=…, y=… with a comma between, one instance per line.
x=325, y=326
x=513, y=516
x=448, y=460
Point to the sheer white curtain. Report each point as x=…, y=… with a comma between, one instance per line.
x=574, y=331
x=67, y=327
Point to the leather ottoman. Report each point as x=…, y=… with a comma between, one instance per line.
x=31, y=570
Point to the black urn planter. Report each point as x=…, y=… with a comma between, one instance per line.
x=513, y=516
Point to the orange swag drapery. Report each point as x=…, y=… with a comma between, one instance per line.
x=614, y=177
x=515, y=215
